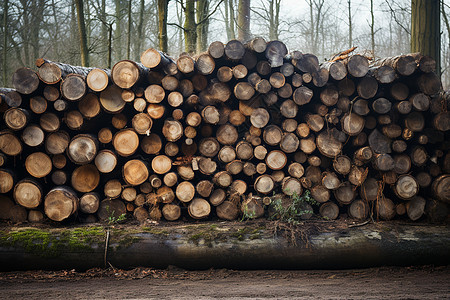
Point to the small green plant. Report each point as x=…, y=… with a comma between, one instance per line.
x=292, y=211
x=247, y=214
x=112, y=219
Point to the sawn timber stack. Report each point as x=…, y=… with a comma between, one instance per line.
x=225, y=133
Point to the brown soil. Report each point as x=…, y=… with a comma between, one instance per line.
x=426, y=282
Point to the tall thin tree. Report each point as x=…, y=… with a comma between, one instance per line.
x=425, y=29
x=350, y=25
x=84, y=52
x=244, y=20
x=162, y=24
x=129, y=30
x=5, y=43
x=372, y=28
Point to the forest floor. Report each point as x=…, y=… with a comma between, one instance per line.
x=419, y=282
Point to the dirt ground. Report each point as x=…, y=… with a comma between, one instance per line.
x=424, y=282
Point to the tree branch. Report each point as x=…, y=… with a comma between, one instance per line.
x=208, y=16
x=395, y=17
x=176, y=25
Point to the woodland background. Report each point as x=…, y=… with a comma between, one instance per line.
x=122, y=29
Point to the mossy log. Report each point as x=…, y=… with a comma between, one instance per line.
x=203, y=246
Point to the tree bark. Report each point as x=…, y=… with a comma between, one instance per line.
x=425, y=29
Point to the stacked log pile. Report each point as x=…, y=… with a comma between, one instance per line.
x=220, y=133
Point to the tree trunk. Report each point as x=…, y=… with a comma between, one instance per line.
x=84, y=52
x=425, y=29
x=243, y=20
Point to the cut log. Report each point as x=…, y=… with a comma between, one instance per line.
x=204, y=188
x=60, y=203
x=289, y=109
x=38, y=164
x=209, y=147
x=328, y=145
x=73, y=87
x=170, y=179
x=74, y=120
x=25, y=81
x=441, y=188
x=38, y=105
x=345, y=194
x=243, y=91
x=239, y=71
x=415, y=208
x=185, y=64
x=331, y=181
x=142, y=123
x=336, y=69
x=171, y=212
x=98, y=79
x=276, y=159
x=125, y=142
x=59, y=177
x=161, y=164
x=227, y=134
x=275, y=53
x=359, y=210
x=35, y=216
x=85, y=178
x=291, y=186
x=105, y=135
x=60, y=105
x=385, y=208
x=405, y=65
x=6, y=181
x=205, y=64
x=226, y=154
x=442, y=121
x=289, y=143
x=379, y=143
x=429, y=83
x=112, y=188
x=264, y=184
x=82, y=149
x=234, y=50
x=329, y=211
x=89, y=203
x=33, y=135
x=308, y=145
x=357, y=65
x=306, y=63
x=135, y=172
x=5, y=205
x=222, y=179
x=227, y=210
x=406, y=187
x=126, y=73
x=89, y=106
x=199, y=208
x=111, y=99
x=217, y=197
x=224, y=74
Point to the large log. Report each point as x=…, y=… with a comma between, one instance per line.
x=60, y=203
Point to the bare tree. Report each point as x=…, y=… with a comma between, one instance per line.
x=372, y=28
x=82, y=33
x=162, y=24
x=350, y=27
x=244, y=20
x=202, y=29
x=230, y=22
x=5, y=42
x=425, y=29
x=139, y=32
x=270, y=14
